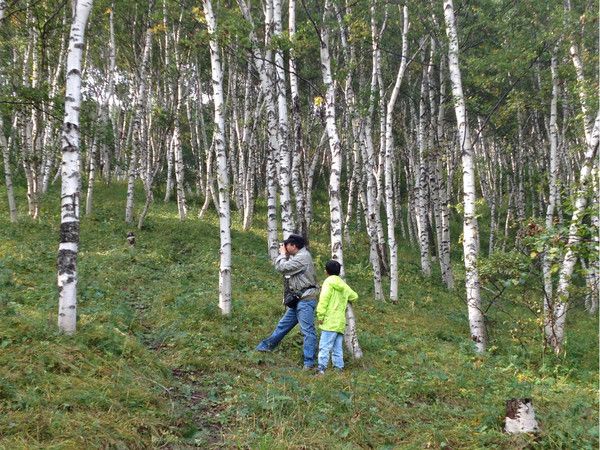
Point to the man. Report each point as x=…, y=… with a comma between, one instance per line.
x=296, y=265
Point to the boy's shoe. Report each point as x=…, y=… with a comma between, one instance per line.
x=338, y=369
x=320, y=373
x=308, y=368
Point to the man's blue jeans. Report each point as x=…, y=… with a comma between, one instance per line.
x=331, y=342
x=304, y=314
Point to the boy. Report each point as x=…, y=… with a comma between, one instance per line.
x=331, y=314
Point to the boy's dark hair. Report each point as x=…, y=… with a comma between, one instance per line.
x=333, y=267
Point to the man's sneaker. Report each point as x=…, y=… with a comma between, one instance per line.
x=308, y=368
x=320, y=373
x=263, y=348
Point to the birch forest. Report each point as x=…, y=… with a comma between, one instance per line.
x=444, y=152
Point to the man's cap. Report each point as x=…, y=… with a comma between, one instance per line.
x=296, y=240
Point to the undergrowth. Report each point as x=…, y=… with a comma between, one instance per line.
x=154, y=364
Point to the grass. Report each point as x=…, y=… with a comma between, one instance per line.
x=155, y=365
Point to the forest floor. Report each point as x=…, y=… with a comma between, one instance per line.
x=154, y=364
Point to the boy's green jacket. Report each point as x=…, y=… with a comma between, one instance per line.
x=331, y=310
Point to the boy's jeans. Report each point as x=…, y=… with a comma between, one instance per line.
x=304, y=314
x=331, y=342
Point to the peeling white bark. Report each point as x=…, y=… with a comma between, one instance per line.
x=335, y=206
x=70, y=175
x=390, y=160
x=222, y=173
x=12, y=206
x=520, y=417
x=285, y=156
x=138, y=148
x=470, y=229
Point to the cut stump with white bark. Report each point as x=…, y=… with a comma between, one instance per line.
x=520, y=416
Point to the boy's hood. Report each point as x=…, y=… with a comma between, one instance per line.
x=337, y=283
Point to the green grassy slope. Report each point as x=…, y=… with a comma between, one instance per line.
x=154, y=364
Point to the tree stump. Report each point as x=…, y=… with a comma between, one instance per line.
x=520, y=416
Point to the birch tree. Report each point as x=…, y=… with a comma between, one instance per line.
x=552, y=195
x=298, y=150
x=334, y=141
x=4, y=145
x=264, y=63
x=470, y=229
x=222, y=173
x=555, y=329
x=556, y=308
x=139, y=144
x=285, y=157
x=12, y=207
x=389, y=162
x=423, y=177
x=70, y=175
x=335, y=171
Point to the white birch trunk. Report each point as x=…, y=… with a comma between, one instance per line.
x=389, y=162
x=50, y=139
x=581, y=83
x=444, y=183
x=555, y=334
x=368, y=190
x=336, y=167
x=12, y=206
x=177, y=149
x=470, y=229
x=168, y=95
x=552, y=196
x=107, y=111
x=138, y=141
x=31, y=138
x=298, y=151
x=70, y=175
x=350, y=335
x=593, y=269
x=351, y=121
x=248, y=151
x=334, y=145
x=222, y=174
x=422, y=188
x=169, y=183
x=268, y=84
x=285, y=157
x=91, y=179
x=377, y=157
x=442, y=215
x=444, y=188
x=263, y=66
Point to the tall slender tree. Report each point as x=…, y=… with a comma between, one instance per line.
x=222, y=172
x=389, y=161
x=335, y=205
x=70, y=174
x=470, y=228
x=4, y=145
